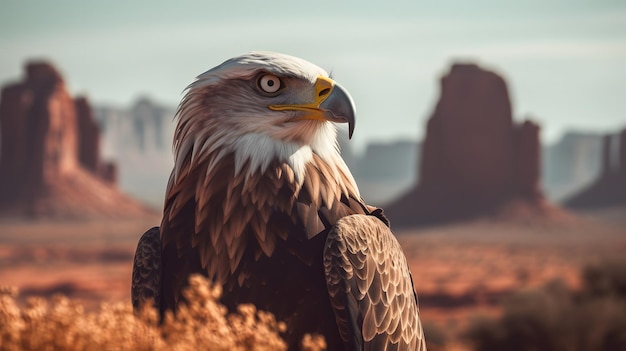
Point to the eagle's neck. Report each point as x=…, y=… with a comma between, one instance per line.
x=259, y=152
x=252, y=192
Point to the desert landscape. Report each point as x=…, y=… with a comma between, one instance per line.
x=460, y=270
x=477, y=227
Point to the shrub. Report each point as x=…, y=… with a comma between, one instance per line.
x=203, y=323
x=554, y=318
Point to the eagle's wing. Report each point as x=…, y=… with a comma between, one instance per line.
x=370, y=287
x=146, y=281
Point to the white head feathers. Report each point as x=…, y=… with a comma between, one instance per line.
x=272, y=62
x=222, y=113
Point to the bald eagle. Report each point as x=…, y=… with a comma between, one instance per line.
x=261, y=202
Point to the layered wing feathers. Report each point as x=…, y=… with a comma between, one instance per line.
x=370, y=286
x=146, y=278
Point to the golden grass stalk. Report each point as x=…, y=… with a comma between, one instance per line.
x=201, y=324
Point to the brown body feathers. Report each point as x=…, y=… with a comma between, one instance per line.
x=261, y=202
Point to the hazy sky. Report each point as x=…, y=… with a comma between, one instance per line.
x=564, y=60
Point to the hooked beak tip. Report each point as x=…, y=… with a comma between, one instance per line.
x=340, y=104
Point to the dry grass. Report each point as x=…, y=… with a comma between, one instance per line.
x=61, y=324
x=460, y=270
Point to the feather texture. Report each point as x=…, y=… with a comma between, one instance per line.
x=261, y=202
x=146, y=277
x=364, y=264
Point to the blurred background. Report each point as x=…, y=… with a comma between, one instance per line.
x=493, y=134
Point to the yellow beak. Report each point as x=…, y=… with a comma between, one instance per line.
x=332, y=103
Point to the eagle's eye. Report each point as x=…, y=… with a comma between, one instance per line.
x=269, y=83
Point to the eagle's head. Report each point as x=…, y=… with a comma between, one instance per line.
x=256, y=139
x=262, y=107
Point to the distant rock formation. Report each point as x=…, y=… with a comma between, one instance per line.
x=386, y=170
x=610, y=187
x=38, y=128
x=139, y=138
x=145, y=126
x=474, y=158
x=50, y=162
x=88, y=136
x=571, y=164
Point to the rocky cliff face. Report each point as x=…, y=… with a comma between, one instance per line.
x=609, y=189
x=139, y=138
x=571, y=164
x=49, y=157
x=622, y=154
x=474, y=158
x=38, y=133
x=88, y=134
x=385, y=170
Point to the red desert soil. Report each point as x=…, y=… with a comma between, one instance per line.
x=458, y=269
x=464, y=269
x=86, y=260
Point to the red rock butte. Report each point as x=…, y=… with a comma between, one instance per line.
x=475, y=159
x=50, y=163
